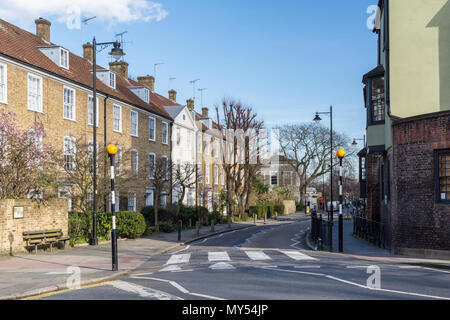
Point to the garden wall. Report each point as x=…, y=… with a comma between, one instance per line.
x=18, y=216
x=289, y=206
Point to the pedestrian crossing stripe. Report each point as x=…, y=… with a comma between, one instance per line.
x=297, y=255
x=257, y=255
x=218, y=256
x=179, y=259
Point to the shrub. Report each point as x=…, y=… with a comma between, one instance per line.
x=168, y=214
x=279, y=209
x=130, y=224
x=262, y=209
x=270, y=211
x=253, y=210
x=167, y=227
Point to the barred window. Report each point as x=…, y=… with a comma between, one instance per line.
x=443, y=183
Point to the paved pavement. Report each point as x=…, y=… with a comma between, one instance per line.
x=30, y=274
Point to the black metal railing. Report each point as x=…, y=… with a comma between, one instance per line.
x=320, y=231
x=369, y=230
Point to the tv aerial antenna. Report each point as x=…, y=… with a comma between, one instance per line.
x=85, y=21
x=201, y=95
x=193, y=87
x=170, y=82
x=122, y=41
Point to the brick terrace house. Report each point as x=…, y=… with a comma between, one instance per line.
x=407, y=159
x=40, y=80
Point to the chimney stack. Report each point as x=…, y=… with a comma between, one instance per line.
x=88, y=52
x=190, y=104
x=147, y=81
x=43, y=28
x=173, y=95
x=205, y=112
x=120, y=68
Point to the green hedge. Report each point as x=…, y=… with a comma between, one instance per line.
x=168, y=215
x=279, y=209
x=130, y=225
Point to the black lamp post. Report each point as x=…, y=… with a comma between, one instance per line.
x=330, y=215
x=355, y=143
x=116, y=53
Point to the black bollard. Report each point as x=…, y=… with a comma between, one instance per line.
x=180, y=225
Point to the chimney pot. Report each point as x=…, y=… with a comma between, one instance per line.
x=120, y=68
x=205, y=112
x=173, y=95
x=43, y=28
x=148, y=81
x=190, y=104
x=88, y=52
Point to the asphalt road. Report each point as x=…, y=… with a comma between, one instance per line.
x=269, y=262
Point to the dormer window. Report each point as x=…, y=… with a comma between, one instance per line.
x=58, y=55
x=64, y=58
x=112, y=80
x=107, y=77
x=142, y=92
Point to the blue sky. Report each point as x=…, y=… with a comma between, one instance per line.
x=287, y=59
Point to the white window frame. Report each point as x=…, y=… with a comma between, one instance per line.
x=223, y=176
x=112, y=80
x=166, y=140
x=73, y=106
x=89, y=122
x=200, y=172
x=207, y=145
x=136, y=133
x=199, y=143
x=151, y=176
x=166, y=169
x=216, y=146
x=149, y=192
x=72, y=140
x=131, y=201
x=216, y=175
x=66, y=193
x=61, y=55
x=146, y=95
x=154, y=128
x=120, y=119
x=118, y=161
x=137, y=161
x=207, y=168
x=37, y=108
x=272, y=174
x=4, y=84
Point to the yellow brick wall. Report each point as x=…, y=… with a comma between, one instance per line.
x=57, y=127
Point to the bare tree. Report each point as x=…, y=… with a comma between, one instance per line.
x=159, y=174
x=241, y=127
x=307, y=149
x=183, y=179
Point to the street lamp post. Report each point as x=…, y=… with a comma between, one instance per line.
x=116, y=52
x=112, y=150
x=330, y=215
x=340, y=154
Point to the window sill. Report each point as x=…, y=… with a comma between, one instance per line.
x=73, y=120
x=37, y=111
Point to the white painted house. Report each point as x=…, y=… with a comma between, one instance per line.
x=183, y=145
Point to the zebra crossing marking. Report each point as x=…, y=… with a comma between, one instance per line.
x=221, y=266
x=297, y=255
x=257, y=255
x=218, y=256
x=179, y=259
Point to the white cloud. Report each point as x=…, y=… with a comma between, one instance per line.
x=111, y=11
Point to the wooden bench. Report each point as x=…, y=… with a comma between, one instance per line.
x=44, y=238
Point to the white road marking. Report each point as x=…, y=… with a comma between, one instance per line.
x=179, y=258
x=222, y=266
x=296, y=255
x=437, y=270
x=180, y=288
x=143, y=291
x=307, y=267
x=257, y=255
x=182, y=249
x=360, y=285
x=170, y=268
x=218, y=256
x=294, y=245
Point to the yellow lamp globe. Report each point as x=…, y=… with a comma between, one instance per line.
x=111, y=149
x=340, y=153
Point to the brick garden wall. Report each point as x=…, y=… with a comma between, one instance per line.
x=418, y=222
x=373, y=186
x=36, y=217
